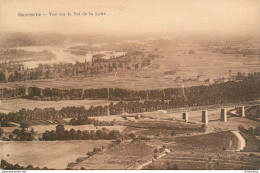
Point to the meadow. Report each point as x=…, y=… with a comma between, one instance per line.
x=52, y=154
x=119, y=157
x=14, y=105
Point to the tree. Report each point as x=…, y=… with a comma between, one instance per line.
x=132, y=135
x=32, y=131
x=29, y=167
x=1, y=132
x=60, y=131
x=114, y=134
x=25, y=124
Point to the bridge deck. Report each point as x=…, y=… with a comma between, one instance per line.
x=212, y=107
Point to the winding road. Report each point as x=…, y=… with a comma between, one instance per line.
x=241, y=141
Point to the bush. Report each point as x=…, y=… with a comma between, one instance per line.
x=25, y=124
x=71, y=164
x=173, y=133
x=241, y=128
x=90, y=154
x=251, y=155
x=96, y=150
x=118, y=140
x=81, y=159
x=132, y=135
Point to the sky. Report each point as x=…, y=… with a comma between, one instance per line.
x=133, y=16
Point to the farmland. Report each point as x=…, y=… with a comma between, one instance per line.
x=149, y=136
x=119, y=157
x=53, y=154
x=17, y=104
x=210, y=151
x=217, y=141
x=174, y=69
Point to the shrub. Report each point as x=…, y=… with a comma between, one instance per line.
x=90, y=154
x=251, y=155
x=71, y=164
x=241, y=128
x=96, y=150
x=118, y=140
x=78, y=160
x=132, y=135
x=173, y=133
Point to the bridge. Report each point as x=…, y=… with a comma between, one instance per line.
x=205, y=109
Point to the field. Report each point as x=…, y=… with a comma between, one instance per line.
x=188, y=147
x=17, y=104
x=221, y=140
x=162, y=73
x=209, y=151
x=119, y=157
x=53, y=154
x=197, y=159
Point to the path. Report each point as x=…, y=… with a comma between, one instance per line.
x=241, y=141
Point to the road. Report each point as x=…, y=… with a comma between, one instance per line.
x=241, y=141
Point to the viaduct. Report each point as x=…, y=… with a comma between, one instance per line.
x=223, y=111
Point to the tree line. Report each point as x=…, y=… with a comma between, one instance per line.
x=8, y=166
x=244, y=90
x=61, y=134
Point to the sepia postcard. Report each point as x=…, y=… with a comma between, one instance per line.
x=129, y=85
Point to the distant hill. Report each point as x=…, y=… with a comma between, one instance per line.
x=27, y=39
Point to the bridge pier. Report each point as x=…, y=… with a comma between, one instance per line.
x=223, y=115
x=26, y=91
x=205, y=118
x=185, y=116
x=241, y=111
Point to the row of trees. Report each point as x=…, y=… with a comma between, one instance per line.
x=247, y=88
x=9, y=166
x=62, y=134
